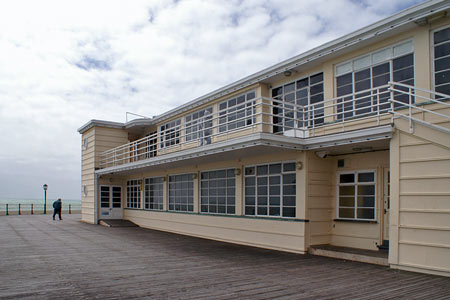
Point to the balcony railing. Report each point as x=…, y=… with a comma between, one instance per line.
x=256, y=115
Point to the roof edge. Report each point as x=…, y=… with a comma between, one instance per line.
x=101, y=123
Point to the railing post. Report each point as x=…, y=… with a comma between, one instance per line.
x=7, y=213
x=392, y=100
x=31, y=208
x=19, y=209
x=70, y=209
x=411, y=128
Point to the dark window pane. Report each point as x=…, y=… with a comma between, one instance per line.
x=346, y=201
x=444, y=89
x=442, y=64
x=344, y=90
x=348, y=190
x=344, y=80
x=361, y=75
x=250, y=181
x=249, y=200
x=289, y=179
x=380, y=69
x=262, y=210
x=366, y=190
x=404, y=74
x=289, y=200
x=289, y=189
x=316, y=89
x=274, y=211
x=316, y=98
x=366, y=213
x=302, y=83
x=403, y=62
x=288, y=167
x=442, y=50
x=347, y=178
x=230, y=210
x=289, y=87
x=362, y=85
x=366, y=201
x=346, y=213
x=262, y=170
x=277, y=91
x=441, y=36
x=442, y=77
x=316, y=78
x=274, y=180
x=250, y=210
x=366, y=177
x=274, y=168
x=289, y=212
x=250, y=171
x=381, y=80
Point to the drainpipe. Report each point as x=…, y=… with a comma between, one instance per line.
x=95, y=198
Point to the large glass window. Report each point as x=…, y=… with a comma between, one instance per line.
x=151, y=145
x=170, y=133
x=441, y=61
x=199, y=126
x=237, y=112
x=356, y=195
x=181, y=192
x=217, y=191
x=153, y=193
x=134, y=193
x=307, y=92
x=270, y=190
x=362, y=82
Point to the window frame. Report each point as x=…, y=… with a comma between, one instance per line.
x=268, y=186
x=193, y=190
x=306, y=121
x=432, y=55
x=164, y=142
x=227, y=113
x=226, y=196
x=139, y=185
x=149, y=200
x=204, y=138
x=355, y=198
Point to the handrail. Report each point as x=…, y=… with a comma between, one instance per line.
x=414, y=107
x=269, y=115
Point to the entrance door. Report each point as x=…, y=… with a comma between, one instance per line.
x=110, y=202
x=386, y=203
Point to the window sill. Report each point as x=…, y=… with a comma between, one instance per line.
x=356, y=221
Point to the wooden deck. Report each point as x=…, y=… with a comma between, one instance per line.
x=45, y=259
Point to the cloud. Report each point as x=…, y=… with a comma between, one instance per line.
x=66, y=62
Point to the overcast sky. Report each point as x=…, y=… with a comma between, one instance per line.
x=64, y=63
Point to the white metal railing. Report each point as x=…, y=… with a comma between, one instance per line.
x=406, y=96
x=264, y=115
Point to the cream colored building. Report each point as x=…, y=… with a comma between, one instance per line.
x=345, y=145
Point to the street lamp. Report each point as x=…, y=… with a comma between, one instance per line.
x=45, y=198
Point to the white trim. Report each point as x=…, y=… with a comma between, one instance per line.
x=356, y=183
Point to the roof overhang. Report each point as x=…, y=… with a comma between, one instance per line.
x=233, y=148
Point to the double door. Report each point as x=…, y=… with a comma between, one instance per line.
x=110, y=202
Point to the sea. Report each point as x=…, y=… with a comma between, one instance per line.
x=38, y=204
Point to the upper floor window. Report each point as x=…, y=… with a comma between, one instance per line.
x=270, y=190
x=307, y=92
x=199, y=126
x=237, y=112
x=441, y=60
x=151, y=145
x=170, y=133
x=356, y=195
x=362, y=82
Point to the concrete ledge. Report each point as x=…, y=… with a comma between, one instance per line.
x=365, y=256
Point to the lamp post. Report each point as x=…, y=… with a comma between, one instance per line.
x=45, y=198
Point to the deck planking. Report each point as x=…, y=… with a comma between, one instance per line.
x=45, y=259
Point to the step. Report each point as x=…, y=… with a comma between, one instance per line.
x=353, y=254
x=117, y=223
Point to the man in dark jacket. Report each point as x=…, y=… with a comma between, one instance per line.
x=57, y=208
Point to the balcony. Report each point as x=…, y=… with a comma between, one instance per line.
x=271, y=117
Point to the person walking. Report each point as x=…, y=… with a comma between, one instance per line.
x=57, y=205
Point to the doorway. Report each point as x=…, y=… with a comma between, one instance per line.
x=110, y=202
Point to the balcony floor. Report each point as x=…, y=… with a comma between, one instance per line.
x=45, y=259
